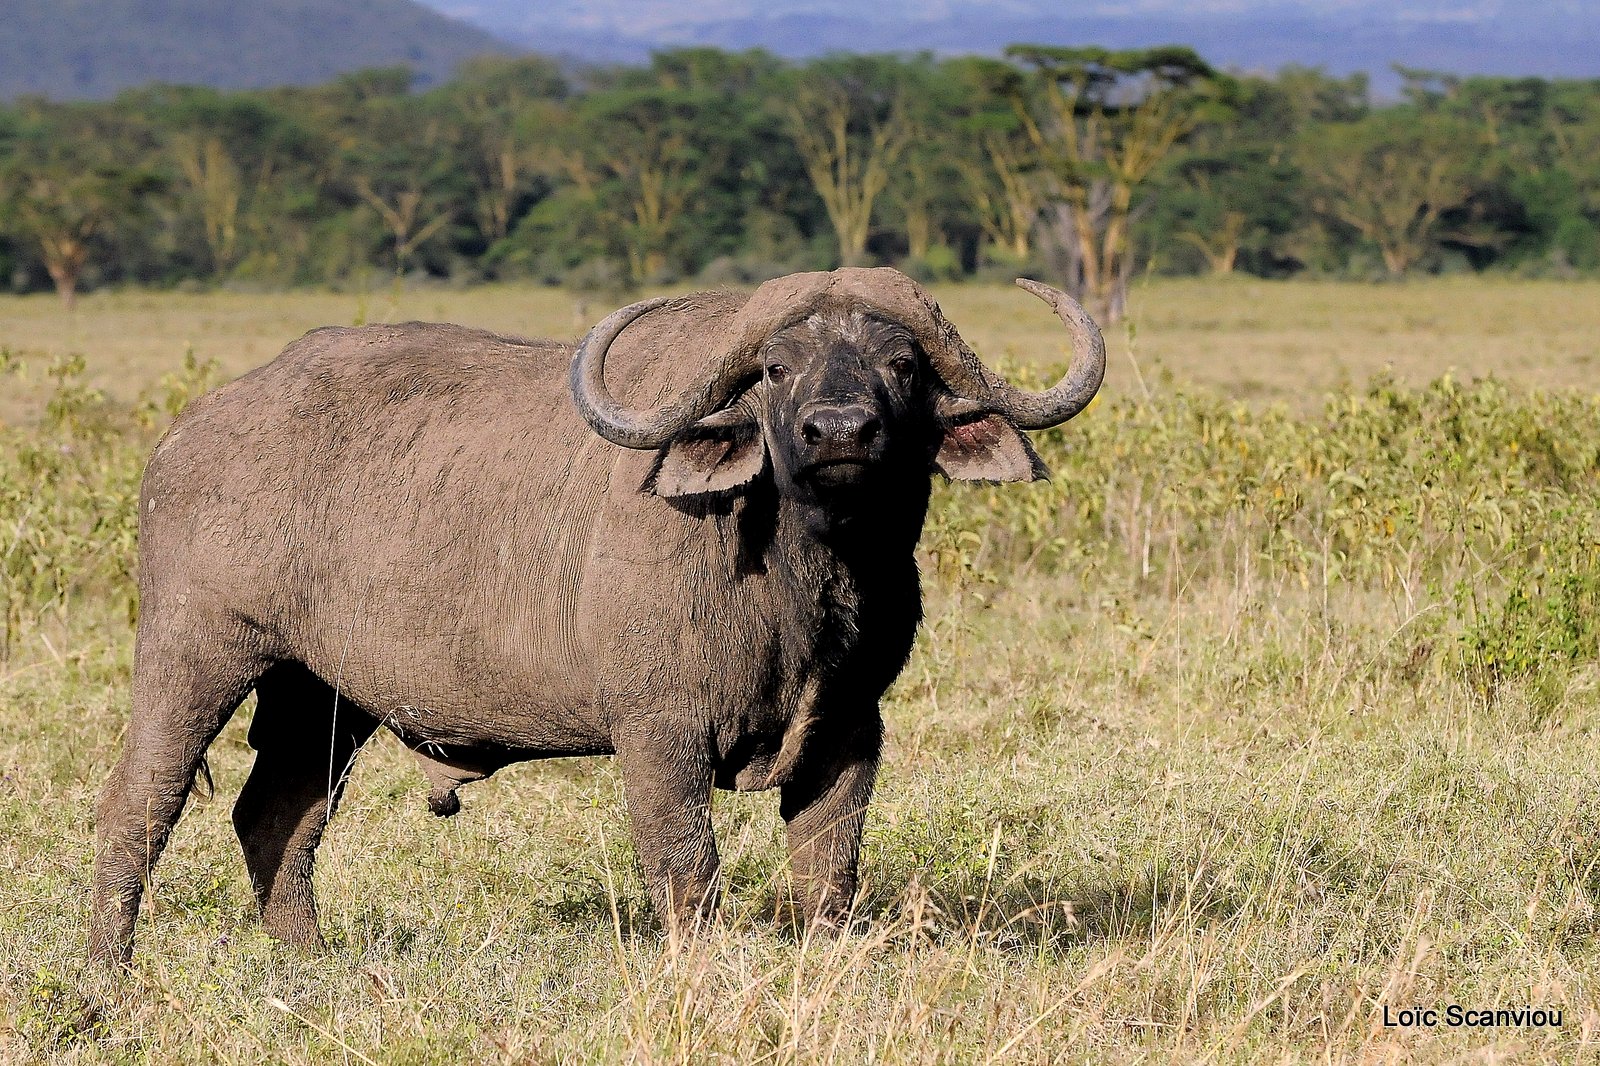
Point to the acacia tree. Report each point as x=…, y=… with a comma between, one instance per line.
x=850, y=127
x=651, y=171
x=402, y=169
x=1391, y=179
x=642, y=156
x=655, y=166
x=1231, y=202
x=923, y=195
x=63, y=191
x=919, y=194
x=1004, y=193
x=215, y=184
x=1311, y=95
x=1566, y=191
x=1537, y=176
x=1101, y=122
x=250, y=175
x=402, y=210
x=1219, y=241
x=506, y=107
x=993, y=167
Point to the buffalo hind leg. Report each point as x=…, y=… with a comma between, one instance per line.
x=184, y=691
x=305, y=741
x=668, y=788
x=824, y=809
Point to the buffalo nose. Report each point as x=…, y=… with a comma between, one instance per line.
x=840, y=427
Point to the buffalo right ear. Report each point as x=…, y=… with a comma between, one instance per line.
x=978, y=445
x=719, y=453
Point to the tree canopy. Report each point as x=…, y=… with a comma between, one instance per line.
x=1084, y=165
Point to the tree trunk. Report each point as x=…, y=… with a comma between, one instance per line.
x=1222, y=251
x=64, y=258
x=919, y=231
x=66, y=286
x=847, y=172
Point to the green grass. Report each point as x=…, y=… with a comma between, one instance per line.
x=1257, y=718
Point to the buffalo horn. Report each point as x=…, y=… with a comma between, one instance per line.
x=648, y=428
x=967, y=376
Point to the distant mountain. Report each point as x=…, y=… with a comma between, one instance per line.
x=92, y=48
x=1550, y=38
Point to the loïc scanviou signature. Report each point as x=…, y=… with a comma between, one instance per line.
x=1455, y=1016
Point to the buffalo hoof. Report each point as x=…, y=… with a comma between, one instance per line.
x=444, y=802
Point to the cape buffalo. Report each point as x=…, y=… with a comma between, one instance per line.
x=699, y=559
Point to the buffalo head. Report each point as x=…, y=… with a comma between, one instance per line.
x=841, y=384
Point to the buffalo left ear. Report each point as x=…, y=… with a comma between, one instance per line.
x=717, y=454
x=978, y=446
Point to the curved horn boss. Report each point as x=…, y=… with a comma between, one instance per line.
x=786, y=301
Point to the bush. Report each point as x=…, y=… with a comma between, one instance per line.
x=1489, y=497
x=69, y=491
x=939, y=263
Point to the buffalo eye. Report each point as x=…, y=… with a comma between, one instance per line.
x=903, y=365
x=776, y=372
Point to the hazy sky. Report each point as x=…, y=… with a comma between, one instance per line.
x=643, y=15
x=1549, y=38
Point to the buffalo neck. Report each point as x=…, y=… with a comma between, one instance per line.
x=847, y=580
x=870, y=537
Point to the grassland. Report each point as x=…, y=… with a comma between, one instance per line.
x=1253, y=340
x=1277, y=706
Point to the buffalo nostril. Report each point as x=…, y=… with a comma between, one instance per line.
x=849, y=428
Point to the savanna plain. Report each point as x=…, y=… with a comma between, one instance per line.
x=1276, y=706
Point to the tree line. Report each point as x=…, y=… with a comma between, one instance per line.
x=1084, y=164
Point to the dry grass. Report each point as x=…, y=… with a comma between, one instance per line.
x=1252, y=339
x=1177, y=772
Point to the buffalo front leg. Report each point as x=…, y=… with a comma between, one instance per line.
x=306, y=740
x=668, y=788
x=825, y=808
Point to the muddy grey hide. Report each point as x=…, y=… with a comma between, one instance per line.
x=688, y=544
